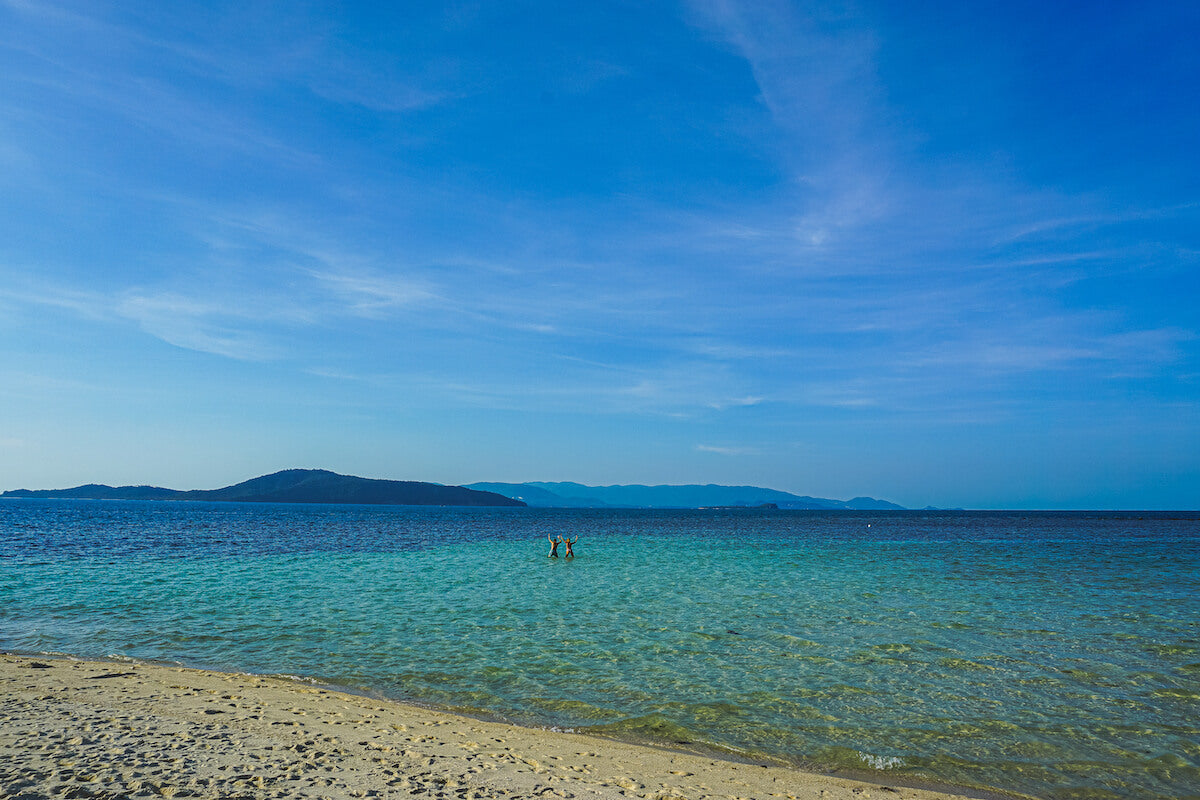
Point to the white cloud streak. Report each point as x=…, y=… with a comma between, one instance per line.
x=372, y=295
x=196, y=325
x=814, y=66
x=727, y=451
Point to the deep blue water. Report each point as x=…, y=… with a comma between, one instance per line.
x=1056, y=654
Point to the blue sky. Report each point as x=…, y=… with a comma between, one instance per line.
x=939, y=253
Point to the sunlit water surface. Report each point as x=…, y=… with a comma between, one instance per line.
x=1056, y=654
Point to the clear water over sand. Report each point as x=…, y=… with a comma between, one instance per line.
x=1051, y=653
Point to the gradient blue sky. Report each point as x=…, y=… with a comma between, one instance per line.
x=937, y=252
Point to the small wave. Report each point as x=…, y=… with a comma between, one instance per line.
x=881, y=762
x=123, y=659
x=652, y=727
x=295, y=678
x=577, y=710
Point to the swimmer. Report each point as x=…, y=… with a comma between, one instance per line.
x=568, y=543
x=554, y=543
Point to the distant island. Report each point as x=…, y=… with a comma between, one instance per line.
x=577, y=495
x=323, y=486
x=294, y=486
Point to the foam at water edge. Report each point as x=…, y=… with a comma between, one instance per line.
x=881, y=762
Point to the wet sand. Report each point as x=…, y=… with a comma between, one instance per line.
x=87, y=729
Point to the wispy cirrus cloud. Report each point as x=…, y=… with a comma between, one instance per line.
x=233, y=325
x=347, y=79
x=198, y=325
x=372, y=294
x=23, y=291
x=815, y=68
x=727, y=450
x=853, y=393
x=1138, y=350
x=31, y=384
x=735, y=402
x=127, y=73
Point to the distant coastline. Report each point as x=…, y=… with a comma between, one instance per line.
x=323, y=486
x=293, y=486
x=577, y=495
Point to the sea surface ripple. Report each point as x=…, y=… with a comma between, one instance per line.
x=1056, y=654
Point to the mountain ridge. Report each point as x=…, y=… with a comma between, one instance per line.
x=323, y=486
x=566, y=494
x=293, y=486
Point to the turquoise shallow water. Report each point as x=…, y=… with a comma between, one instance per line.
x=1056, y=654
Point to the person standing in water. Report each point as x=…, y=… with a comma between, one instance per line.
x=568, y=543
x=554, y=543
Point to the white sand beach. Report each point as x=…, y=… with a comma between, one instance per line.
x=87, y=729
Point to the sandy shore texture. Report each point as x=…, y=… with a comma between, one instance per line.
x=86, y=729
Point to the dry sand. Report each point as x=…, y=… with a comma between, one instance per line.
x=72, y=729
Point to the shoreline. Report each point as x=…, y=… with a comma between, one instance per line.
x=122, y=728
